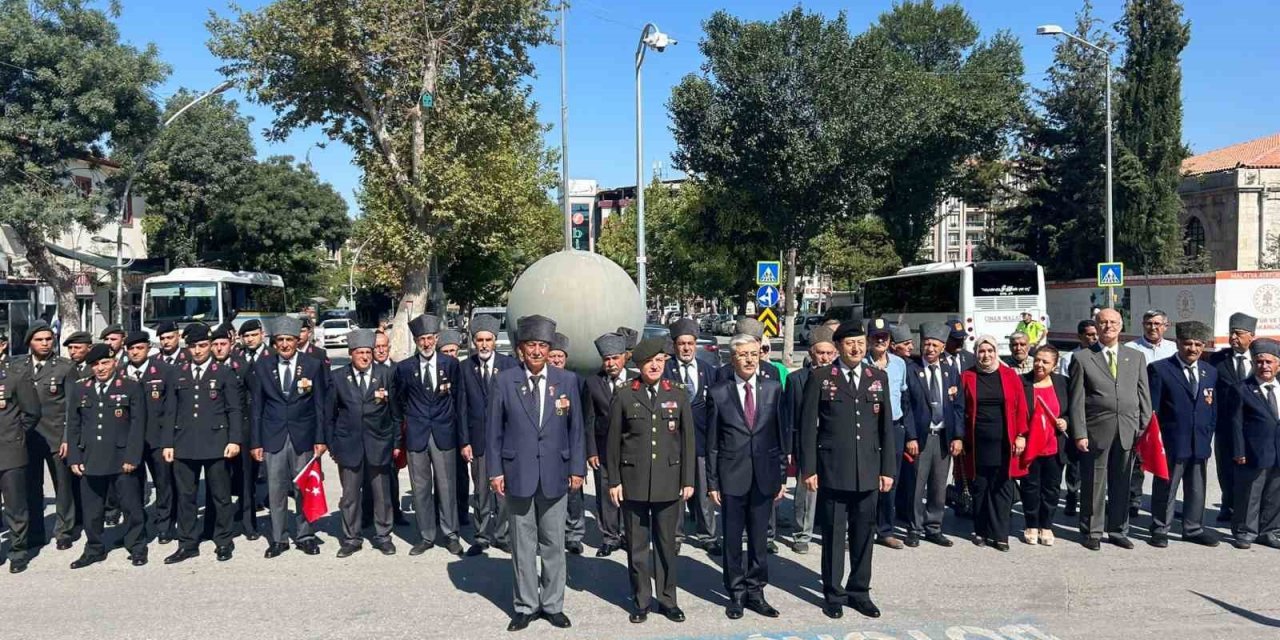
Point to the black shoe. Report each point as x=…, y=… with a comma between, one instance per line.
x=1241, y=544
x=386, y=548
x=164, y=539
x=939, y=539
x=454, y=546
x=86, y=560
x=574, y=547
x=716, y=549
x=733, y=611
x=638, y=616
x=913, y=540
x=772, y=547
x=252, y=535
x=519, y=622
x=1002, y=547
x=1269, y=541
x=673, y=614
x=1133, y=512
x=181, y=554
x=345, y=551
x=276, y=548
x=63, y=544
x=977, y=540
x=1205, y=537
x=558, y=620
x=1159, y=540
x=763, y=608
x=1120, y=541
x=310, y=547
x=800, y=548
x=18, y=566
x=224, y=553
x=833, y=610
x=866, y=607
x=477, y=549
x=423, y=547
x=138, y=559
x=605, y=550
x=1092, y=544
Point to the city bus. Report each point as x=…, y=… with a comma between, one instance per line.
x=211, y=296
x=989, y=297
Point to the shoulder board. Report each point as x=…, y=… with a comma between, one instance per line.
x=88, y=383
x=635, y=385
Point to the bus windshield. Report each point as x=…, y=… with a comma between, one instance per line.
x=180, y=302
x=252, y=299
x=1019, y=280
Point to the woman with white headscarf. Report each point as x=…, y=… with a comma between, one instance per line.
x=996, y=437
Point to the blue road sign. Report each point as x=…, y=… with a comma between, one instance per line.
x=1110, y=274
x=769, y=272
x=767, y=296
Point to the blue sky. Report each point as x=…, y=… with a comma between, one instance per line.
x=1228, y=70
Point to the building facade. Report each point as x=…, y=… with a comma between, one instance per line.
x=1231, y=204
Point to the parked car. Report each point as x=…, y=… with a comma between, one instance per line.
x=709, y=351
x=803, y=328
x=655, y=331
x=726, y=325
x=333, y=332
x=707, y=323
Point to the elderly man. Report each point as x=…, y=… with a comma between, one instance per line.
x=559, y=354
x=847, y=457
x=537, y=455
x=450, y=342
x=575, y=523
x=478, y=375
x=597, y=395
x=746, y=447
x=695, y=377
x=934, y=436
x=1187, y=423
x=822, y=352
x=1020, y=352
x=429, y=395
x=901, y=343
x=1234, y=365
x=895, y=368
x=1254, y=409
x=1110, y=405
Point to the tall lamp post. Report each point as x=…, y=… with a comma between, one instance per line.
x=650, y=38
x=125, y=200
x=351, y=274
x=1056, y=30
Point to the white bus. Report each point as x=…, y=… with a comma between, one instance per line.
x=989, y=297
x=211, y=296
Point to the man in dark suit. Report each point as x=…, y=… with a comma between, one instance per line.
x=289, y=391
x=956, y=354
x=19, y=414
x=171, y=352
x=478, y=374
x=363, y=437
x=245, y=470
x=575, y=518
x=845, y=455
x=747, y=444
x=1234, y=365
x=934, y=435
x=536, y=455
x=106, y=432
x=52, y=376
x=597, y=394
x=695, y=377
x=1254, y=407
x=159, y=382
x=1183, y=397
x=434, y=410
x=822, y=352
x=203, y=437
x=1110, y=406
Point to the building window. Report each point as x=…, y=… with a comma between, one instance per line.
x=84, y=184
x=953, y=256
x=953, y=239
x=1193, y=238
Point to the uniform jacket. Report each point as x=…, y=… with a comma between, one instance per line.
x=1103, y=406
x=362, y=429
x=438, y=412
x=953, y=403
x=174, y=360
x=106, y=431
x=966, y=360
x=19, y=413
x=529, y=456
x=651, y=442
x=847, y=437
x=1255, y=429
x=1188, y=416
x=299, y=415
x=477, y=395
x=597, y=395
x=316, y=352
x=740, y=455
x=209, y=414
x=1223, y=361
x=701, y=409
x=51, y=385
x=159, y=382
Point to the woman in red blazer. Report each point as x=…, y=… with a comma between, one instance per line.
x=995, y=438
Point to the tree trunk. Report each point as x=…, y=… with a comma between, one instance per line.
x=414, y=297
x=61, y=279
x=789, y=309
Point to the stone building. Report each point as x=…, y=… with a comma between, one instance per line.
x=1231, y=204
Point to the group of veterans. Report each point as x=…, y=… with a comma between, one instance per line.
x=674, y=441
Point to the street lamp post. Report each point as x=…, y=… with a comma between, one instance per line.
x=1056, y=30
x=650, y=38
x=138, y=162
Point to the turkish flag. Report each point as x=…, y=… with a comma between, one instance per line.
x=1150, y=448
x=310, y=484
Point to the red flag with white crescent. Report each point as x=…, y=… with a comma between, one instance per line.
x=1151, y=449
x=310, y=484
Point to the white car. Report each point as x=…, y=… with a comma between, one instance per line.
x=333, y=333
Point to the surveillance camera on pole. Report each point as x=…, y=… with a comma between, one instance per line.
x=659, y=41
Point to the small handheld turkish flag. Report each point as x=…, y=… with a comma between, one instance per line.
x=1151, y=450
x=310, y=484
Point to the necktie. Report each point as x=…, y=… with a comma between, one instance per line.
x=426, y=376
x=653, y=394
x=1240, y=371
x=1111, y=362
x=1271, y=400
x=364, y=384
x=749, y=406
x=1191, y=374
x=137, y=374
x=102, y=390
x=39, y=366
x=688, y=380
x=935, y=394
x=199, y=373
x=486, y=373
x=286, y=381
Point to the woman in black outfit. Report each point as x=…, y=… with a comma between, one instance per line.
x=1047, y=441
x=995, y=434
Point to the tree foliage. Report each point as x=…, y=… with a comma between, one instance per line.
x=853, y=251
x=72, y=90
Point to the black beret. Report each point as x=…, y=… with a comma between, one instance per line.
x=38, y=327
x=220, y=332
x=849, y=329
x=648, y=349
x=196, y=332
x=251, y=325
x=167, y=326
x=79, y=337
x=98, y=352
x=111, y=329
x=136, y=337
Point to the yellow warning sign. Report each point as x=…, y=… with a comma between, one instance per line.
x=769, y=319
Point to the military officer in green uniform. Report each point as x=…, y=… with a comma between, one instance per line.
x=651, y=466
x=50, y=375
x=19, y=412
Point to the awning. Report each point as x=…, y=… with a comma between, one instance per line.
x=108, y=263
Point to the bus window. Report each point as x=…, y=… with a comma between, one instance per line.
x=1020, y=281
x=180, y=302
x=252, y=298
x=926, y=293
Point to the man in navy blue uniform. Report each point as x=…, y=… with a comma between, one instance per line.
x=696, y=379
x=934, y=434
x=478, y=375
x=597, y=394
x=159, y=381
x=1254, y=406
x=429, y=396
x=289, y=391
x=536, y=455
x=1183, y=390
x=1234, y=366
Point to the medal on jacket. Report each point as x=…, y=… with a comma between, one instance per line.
x=213, y=390
x=53, y=386
x=155, y=392
x=1208, y=396
x=4, y=400
x=119, y=413
x=562, y=405
x=875, y=408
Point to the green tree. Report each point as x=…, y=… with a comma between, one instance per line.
x=1149, y=121
x=853, y=251
x=433, y=96
x=72, y=90
x=197, y=169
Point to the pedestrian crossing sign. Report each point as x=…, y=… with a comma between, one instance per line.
x=1110, y=274
x=769, y=272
